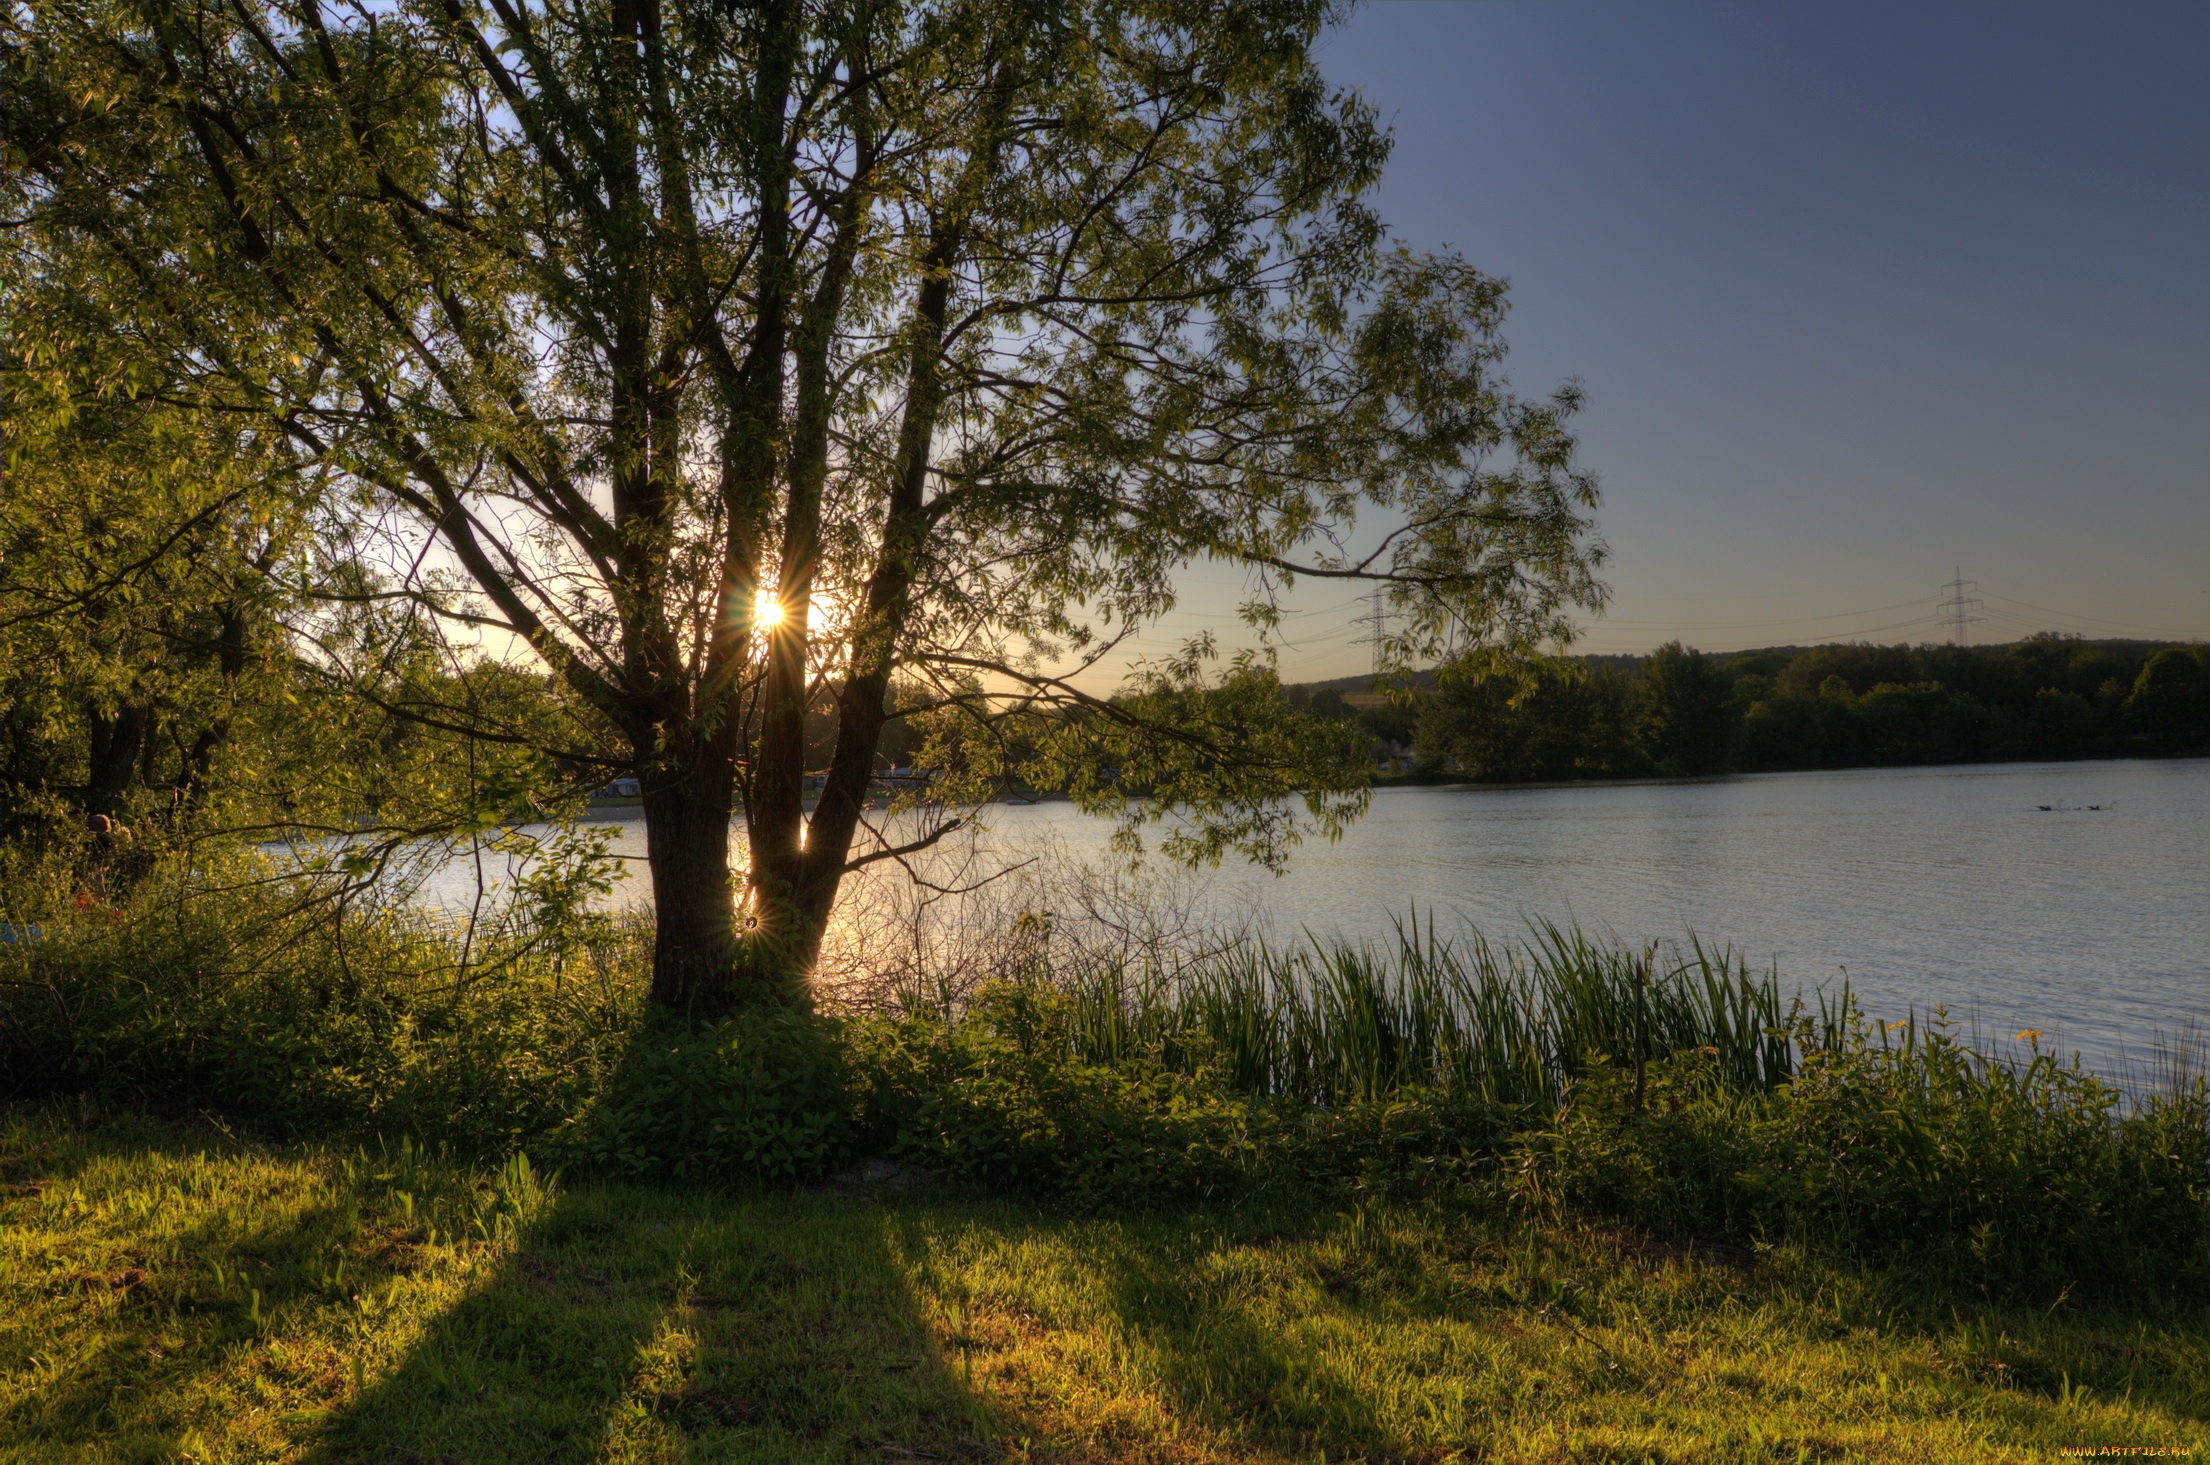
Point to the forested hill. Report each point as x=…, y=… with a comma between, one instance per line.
x=1682, y=711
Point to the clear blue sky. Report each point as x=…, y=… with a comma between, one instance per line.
x=1859, y=293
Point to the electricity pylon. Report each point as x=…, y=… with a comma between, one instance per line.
x=1958, y=606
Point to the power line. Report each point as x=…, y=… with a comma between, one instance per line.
x=1840, y=615
x=1841, y=633
x=1917, y=620
x=2072, y=615
x=1178, y=613
x=1959, y=606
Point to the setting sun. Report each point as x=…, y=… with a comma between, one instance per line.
x=767, y=610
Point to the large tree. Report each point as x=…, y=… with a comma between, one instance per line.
x=737, y=357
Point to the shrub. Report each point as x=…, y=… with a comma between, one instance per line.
x=1418, y=1143
x=1000, y=1096
x=2028, y=1171
x=759, y=1096
x=258, y=1004
x=2031, y=1173
x=1669, y=1161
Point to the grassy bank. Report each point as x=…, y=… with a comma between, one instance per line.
x=1543, y=1200
x=172, y=1292
x=1556, y=1080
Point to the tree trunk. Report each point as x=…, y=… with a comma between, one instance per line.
x=116, y=746
x=230, y=661
x=695, y=939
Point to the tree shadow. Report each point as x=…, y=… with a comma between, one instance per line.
x=1172, y=1281
x=132, y=1396
x=1203, y=1298
x=639, y=1322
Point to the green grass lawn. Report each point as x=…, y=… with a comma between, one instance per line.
x=172, y=1293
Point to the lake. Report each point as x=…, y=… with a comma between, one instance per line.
x=1991, y=888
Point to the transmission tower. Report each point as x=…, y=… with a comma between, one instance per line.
x=1957, y=609
x=1376, y=619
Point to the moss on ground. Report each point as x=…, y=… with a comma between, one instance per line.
x=172, y=1293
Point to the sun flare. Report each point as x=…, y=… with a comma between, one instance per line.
x=767, y=610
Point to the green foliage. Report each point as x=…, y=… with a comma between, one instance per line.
x=170, y=654
x=2062, y=725
x=1558, y=721
x=1664, y=1152
x=277, y=1002
x=957, y=331
x=1860, y=667
x=2047, y=697
x=1000, y=1095
x=2009, y=1173
x=758, y=1096
x=144, y=561
x=1686, y=723
x=2169, y=706
x=1783, y=732
x=1893, y=719
x=2022, y=1169
x=1231, y=776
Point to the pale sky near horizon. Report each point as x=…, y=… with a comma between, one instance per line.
x=1859, y=294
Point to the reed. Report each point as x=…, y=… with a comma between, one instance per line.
x=1509, y=1023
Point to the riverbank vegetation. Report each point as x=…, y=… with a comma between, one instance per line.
x=1531, y=1200
x=1678, y=711
x=1670, y=1088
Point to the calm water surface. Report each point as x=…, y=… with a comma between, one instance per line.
x=1928, y=885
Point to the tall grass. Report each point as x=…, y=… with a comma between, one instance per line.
x=1508, y=1023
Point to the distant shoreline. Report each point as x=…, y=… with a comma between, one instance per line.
x=620, y=807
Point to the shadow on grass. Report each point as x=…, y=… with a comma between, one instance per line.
x=648, y=1323
x=644, y=1323
x=1309, y=1333
x=135, y=1324
x=1195, y=1290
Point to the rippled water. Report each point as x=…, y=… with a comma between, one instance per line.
x=1928, y=885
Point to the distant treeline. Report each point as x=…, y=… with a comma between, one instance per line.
x=1680, y=711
